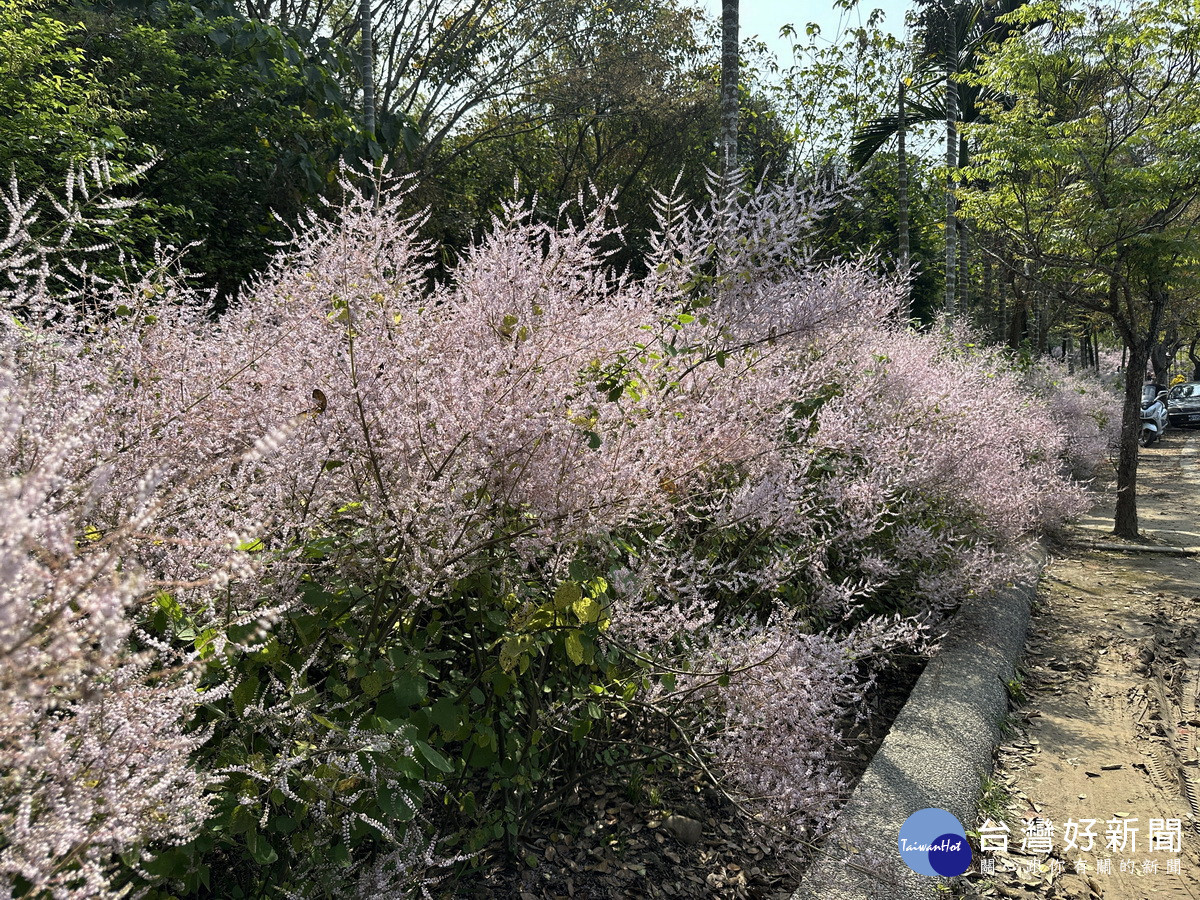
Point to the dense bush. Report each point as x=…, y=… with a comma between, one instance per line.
x=373, y=572
x=230, y=125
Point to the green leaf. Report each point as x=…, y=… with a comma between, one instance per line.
x=566, y=595
x=260, y=848
x=371, y=685
x=244, y=693
x=242, y=819
x=446, y=715
x=205, y=642
x=283, y=824
x=410, y=690
x=328, y=723
x=432, y=757
x=574, y=648
x=167, y=864
x=512, y=652
x=587, y=610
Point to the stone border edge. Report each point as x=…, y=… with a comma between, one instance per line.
x=936, y=754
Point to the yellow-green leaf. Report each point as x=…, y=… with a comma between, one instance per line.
x=575, y=648
x=510, y=653
x=587, y=610
x=567, y=594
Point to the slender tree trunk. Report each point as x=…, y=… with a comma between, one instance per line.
x=964, y=268
x=366, y=33
x=1125, y=522
x=729, y=87
x=964, y=245
x=902, y=178
x=1001, y=306
x=368, y=66
x=1018, y=326
x=994, y=313
x=1043, y=321
x=902, y=198
x=951, y=230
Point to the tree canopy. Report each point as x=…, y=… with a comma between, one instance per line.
x=1088, y=166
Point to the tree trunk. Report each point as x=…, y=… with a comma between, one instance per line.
x=1001, y=306
x=989, y=301
x=1043, y=322
x=367, y=36
x=902, y=199
x=951, y=230
x=964, y=268
x=729, y=87
x=1125, y=523
x=368, y=67
x=1160, y=361
x=964, y=245
x=1018, y=323
x=1162, y=354
x=902, y=179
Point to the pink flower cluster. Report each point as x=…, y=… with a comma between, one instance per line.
x=95, y=758
x=532, y=407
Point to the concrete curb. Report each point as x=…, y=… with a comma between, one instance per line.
x=936, y=754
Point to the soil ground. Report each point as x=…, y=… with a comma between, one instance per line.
x=1107, y=721
x=618, y=843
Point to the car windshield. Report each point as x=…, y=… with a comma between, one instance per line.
x=1183, y=391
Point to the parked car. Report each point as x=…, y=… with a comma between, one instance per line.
x=1183, y=404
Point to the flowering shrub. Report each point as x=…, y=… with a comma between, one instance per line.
x=396, y=558
x=1089, y=413
x=95, y=758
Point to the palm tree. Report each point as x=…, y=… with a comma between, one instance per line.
x=902, y=174
x=729, y=87
x=951, y=35
x=367, y=45
x=368, y=67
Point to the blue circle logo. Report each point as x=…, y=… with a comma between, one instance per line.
x=933, y=842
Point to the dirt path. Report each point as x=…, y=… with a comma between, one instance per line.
x=1109, y=730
